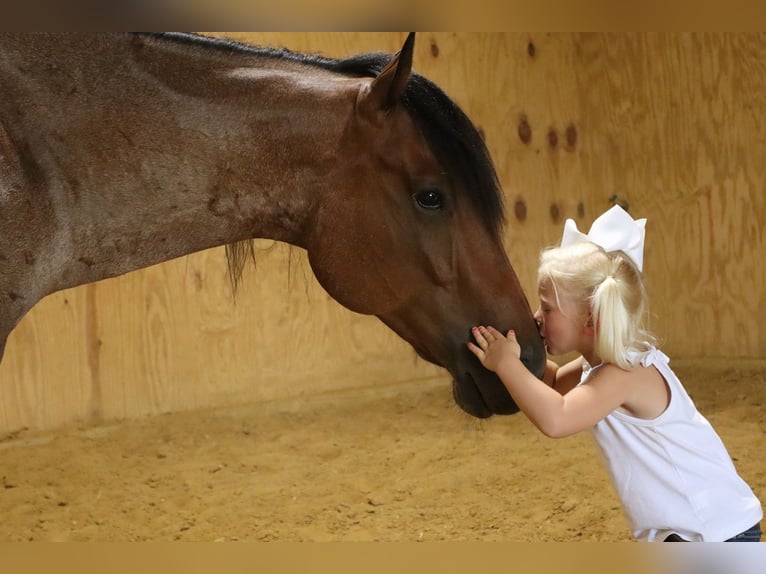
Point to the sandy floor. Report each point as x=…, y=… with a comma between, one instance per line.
x=397, y=463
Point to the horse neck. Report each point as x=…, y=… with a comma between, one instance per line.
x=190, y=152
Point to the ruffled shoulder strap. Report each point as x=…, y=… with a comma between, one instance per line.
x=652, y=356
x=655, y=357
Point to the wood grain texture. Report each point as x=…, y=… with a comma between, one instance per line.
x=672, y=124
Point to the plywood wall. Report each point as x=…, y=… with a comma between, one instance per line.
x=671, y=124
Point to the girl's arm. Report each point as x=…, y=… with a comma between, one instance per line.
x=549, y=375
x=565, y=377
x=554, y=414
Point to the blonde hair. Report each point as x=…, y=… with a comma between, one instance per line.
x=609, y=286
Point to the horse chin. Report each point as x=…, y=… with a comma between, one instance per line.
x=469, y=396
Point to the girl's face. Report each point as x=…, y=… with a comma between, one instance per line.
x=563, y=330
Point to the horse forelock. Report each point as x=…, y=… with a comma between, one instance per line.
x=458, y=146
x=455, y=141
x=452, y=137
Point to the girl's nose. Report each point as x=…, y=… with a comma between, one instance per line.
x=538, y=317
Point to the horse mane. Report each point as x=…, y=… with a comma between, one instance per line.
x=454, y=140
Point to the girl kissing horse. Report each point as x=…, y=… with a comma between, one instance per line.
x=120, y=151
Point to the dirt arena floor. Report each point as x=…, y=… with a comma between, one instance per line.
x=398, y=463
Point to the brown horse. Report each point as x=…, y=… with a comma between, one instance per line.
x=120, y=151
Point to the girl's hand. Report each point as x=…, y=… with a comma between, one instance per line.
x=493, y=349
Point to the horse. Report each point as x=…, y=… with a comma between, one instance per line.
x=123, y=150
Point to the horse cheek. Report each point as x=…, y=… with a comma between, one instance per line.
x=349, y=276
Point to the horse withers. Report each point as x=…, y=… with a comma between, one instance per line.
x=120, y=151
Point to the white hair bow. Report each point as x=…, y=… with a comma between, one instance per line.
x=614, y=230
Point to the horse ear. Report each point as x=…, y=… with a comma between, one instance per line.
x=385, y=90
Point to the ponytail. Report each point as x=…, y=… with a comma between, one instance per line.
x=613, y=323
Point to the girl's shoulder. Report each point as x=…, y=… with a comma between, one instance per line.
x=647, y=394
x=640, y=358
x=641, y=361
x=613, y=371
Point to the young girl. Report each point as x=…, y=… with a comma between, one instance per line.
x=671, y=471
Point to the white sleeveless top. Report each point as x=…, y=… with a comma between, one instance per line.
x=673, y=473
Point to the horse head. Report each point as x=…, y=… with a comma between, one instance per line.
x=424, y=252
x=361, y=161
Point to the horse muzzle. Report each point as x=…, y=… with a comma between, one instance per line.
x=476, y=390
x=481, y=393
x=482, y=399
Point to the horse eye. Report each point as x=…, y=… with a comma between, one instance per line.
x=430, y=199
